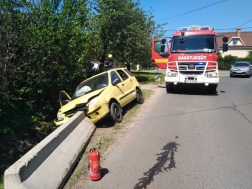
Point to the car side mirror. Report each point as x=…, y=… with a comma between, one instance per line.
x=162, y=48
x=225, y=39
x=225, y=47
x=231, y=65
x=115, y=81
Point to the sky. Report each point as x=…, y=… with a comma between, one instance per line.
x=223, y=15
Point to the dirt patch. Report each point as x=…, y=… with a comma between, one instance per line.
x=105, y=138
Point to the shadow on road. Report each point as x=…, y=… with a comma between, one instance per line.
x=165, y=157
x=239, y=76
x=104, y=172
x=107, y=122
x=191, y=89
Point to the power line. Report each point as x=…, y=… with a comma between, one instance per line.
x=191, y=11
x=245, y=23
x=233, y=28
x=242, y=24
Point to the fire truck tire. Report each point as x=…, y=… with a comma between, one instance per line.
x=169, y=88
x=116, y=112
x=212, y=88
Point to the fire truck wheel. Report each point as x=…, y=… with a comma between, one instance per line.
x=212, y=88
x=116, y=112
x=169, y=88
x=139, y=96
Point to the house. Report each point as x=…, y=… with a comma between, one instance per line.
x=239, y=43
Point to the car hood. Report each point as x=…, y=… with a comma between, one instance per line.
x=240, y=67
x=82, y=100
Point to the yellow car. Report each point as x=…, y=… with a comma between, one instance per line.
x=101, y=95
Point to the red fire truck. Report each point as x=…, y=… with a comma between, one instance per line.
x=191, y=57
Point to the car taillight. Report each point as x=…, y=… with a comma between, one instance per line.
x=172, y=66
x=211, y=66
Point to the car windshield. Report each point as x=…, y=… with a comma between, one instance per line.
x=193, y=44
x=91, y=85
x=241, y=64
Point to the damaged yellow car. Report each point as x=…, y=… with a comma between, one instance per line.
x=101, y=95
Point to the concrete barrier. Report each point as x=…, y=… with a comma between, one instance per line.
x=49, y=163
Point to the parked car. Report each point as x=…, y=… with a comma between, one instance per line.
x=103, y=94
x=241, y=68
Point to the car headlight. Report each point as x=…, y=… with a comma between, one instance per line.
x=171, y=74
x=59, y=116
x=93, y=102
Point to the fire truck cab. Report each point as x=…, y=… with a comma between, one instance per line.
x=191, y=57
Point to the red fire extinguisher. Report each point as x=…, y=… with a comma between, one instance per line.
x=94, y=164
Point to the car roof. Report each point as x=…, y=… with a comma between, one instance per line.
x=108, y=71
x=242, y=62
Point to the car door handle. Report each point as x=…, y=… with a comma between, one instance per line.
x=122, y=84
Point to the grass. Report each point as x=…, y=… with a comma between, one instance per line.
x=148, y=78
x=131, y=109
x=2, y=182
x=102, y=143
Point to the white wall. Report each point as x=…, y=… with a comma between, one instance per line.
x=238, y=53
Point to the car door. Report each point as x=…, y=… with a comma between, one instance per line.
x=118, y=87
x=160, y=53
x=128, y=86
x=64, y=98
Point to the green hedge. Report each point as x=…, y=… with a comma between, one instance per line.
x=226, y=62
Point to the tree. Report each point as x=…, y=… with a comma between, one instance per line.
x=122, y=28
x=43, y=51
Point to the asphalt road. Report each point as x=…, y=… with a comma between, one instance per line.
x=187, y=139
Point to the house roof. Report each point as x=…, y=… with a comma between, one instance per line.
x=246, y=37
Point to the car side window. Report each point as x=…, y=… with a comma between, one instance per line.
x=122, y=74
x=115, y=78
x=126, y=70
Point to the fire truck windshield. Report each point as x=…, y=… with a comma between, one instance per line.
x=193, y=44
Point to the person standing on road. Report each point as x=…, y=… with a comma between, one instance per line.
x=128, y=66
x=138, y=67
x=109, y=62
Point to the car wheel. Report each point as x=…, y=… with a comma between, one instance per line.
x=169, y=88
x=212, y=88
x=231, y=75
x=116, y=112
x=139, y=96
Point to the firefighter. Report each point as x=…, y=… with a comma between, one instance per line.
x=109, y=62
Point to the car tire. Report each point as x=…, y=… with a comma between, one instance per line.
x=231, y=75
x=169, y=88
x=116, y=112
x=212, y=88
x=139, y=96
